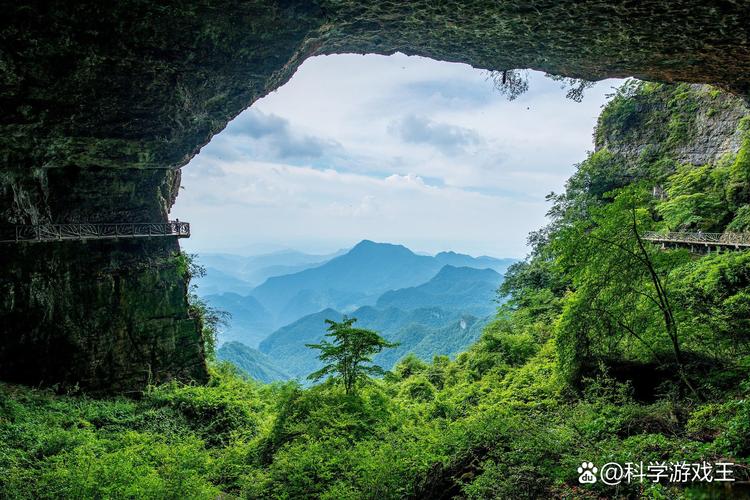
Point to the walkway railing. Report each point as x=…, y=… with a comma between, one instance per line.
x=698, y=238
x=60, y=232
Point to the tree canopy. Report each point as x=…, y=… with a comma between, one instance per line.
x=349, y=356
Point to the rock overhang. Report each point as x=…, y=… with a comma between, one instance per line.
x=141, y=84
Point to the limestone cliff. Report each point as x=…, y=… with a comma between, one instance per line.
x=695, y=124
x=105, y=316
x=689, y=143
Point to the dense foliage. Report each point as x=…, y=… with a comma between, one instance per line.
x=607, y=349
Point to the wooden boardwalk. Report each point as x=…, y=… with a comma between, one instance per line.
x=701, y=240
x=63, y=232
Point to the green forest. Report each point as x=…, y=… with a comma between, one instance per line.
x=605, y=348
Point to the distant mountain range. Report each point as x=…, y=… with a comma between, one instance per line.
x=249, y=323
x=253, y=362
x=356, y=278
x=425, y=332
x=345, y=282
x=430, y=304
x=240, y=274
x=455, y=288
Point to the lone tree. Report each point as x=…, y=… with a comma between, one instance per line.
x=349, y=356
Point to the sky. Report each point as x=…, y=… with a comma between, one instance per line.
x=397, y=149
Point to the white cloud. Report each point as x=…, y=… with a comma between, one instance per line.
x=447, y=138
x=405, y=181
x=401, y=149
x=291, y=205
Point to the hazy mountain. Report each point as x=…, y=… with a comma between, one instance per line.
x=223, y=262
x=216, y=281
x=463, y=289
x=450, y=339
x=261, y=267
x=238, y=273
x=482, y=262
x=260, y=275
x=286, y=346
x=424, y=331
x=250, y=322
x=367, y=270
x=251, y=361
x=390, y=276
x=357, y=278
x=311, y=301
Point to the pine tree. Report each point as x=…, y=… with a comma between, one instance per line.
x=349, y=356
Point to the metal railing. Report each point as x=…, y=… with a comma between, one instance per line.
x=60, y=232
x=700, y=238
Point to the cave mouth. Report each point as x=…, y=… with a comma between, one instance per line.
x=104, y=103
x=401, y=149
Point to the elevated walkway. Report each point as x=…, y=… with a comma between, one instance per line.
x=63, y=232
x=700, y=240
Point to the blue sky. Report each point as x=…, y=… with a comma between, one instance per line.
x=389, y=148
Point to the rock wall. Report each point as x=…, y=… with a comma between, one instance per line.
x=689, y=143
x=695, y=124
x=94, y=195
x=101, y=315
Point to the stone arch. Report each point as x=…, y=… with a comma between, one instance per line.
x=103, y=103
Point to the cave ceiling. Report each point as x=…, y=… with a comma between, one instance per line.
x=137, y=84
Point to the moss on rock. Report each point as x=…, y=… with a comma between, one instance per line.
x=100, y=315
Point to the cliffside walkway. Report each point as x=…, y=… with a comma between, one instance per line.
x=62, y=232
x=699, y=240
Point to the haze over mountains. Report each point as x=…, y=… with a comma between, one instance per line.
x=251, y=361
x=240, y=274
x=424, y=332
x=429, y=304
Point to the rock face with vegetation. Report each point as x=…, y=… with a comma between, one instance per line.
x=585, y=361
x=102, y=102
x=668, y=158
x=105, y=316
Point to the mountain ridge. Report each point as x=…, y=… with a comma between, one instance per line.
x=251, y=361
x=455, y=288
x=426, y=332
x=381, y=275
x=357, y=278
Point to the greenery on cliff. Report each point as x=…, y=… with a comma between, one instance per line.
x=608, y=350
